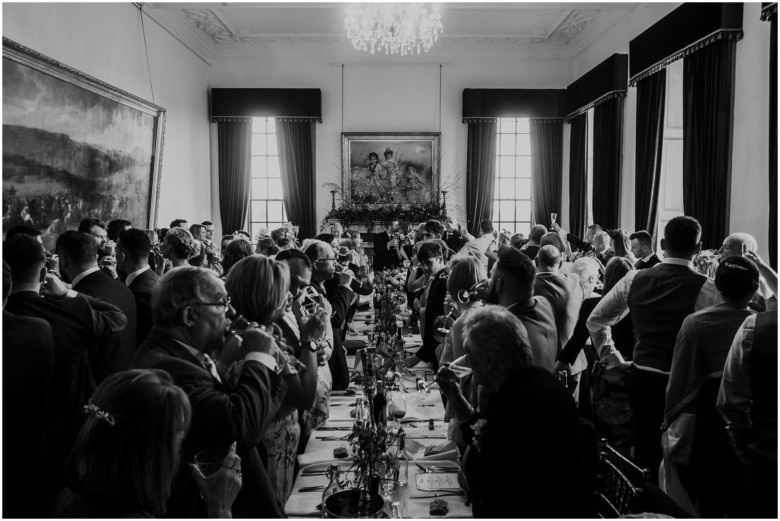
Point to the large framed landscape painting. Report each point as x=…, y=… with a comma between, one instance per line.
x=75, y=147
x=390, y=167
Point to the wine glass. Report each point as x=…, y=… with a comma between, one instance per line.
x=385, y=467
x=396, y=407
x=554, y=217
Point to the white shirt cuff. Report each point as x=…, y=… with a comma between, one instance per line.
x=264, y=358
x=71, y=294
x=613, y=360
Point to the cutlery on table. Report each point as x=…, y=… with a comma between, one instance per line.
x=313, y=473
x=316, y=488
x=434, y=469
x=439, y=494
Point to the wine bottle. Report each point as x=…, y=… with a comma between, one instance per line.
x=380, y=404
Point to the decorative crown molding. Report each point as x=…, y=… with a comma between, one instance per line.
x=571, y=26
x=181, y=28
x=213, y=25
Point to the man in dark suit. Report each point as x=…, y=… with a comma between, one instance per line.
x=190, y=307
x=386, y=248
x=132, y=256
x=28, y=369
x=323, y=260
x=642, y=248
x=454, y=235
x=76, y=320
x=431, y=257
x=78, y=263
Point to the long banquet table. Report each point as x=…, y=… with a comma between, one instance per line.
x=421, y=407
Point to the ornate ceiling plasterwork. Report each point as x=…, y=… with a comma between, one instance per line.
x=210, y=23
x=573, y=25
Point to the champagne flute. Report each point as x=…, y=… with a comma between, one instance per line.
x=385, y=467
x=459, y=367
x=554, y=217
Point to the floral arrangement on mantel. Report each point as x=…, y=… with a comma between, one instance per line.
x=350, y=212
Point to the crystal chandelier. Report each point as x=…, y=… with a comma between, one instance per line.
x=394, y=28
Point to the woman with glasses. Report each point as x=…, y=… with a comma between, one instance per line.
x=259, y=291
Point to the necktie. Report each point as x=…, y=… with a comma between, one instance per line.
x=209, y=364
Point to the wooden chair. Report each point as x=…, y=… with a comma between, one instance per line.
x=623, y=488
x=618, y=484
x=636, y=476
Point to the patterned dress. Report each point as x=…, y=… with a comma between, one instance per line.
x=282, y=436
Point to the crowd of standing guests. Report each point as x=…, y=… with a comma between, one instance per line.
x=150, y=346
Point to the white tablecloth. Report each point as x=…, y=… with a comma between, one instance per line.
x=420, y=408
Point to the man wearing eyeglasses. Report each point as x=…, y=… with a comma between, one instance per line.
x=191, y=308
x=323, y=260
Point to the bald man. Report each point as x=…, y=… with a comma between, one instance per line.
x=765, y=298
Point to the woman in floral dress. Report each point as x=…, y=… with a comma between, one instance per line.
x=259, y=289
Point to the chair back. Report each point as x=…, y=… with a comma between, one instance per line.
x=636, y=475
x=618, y=484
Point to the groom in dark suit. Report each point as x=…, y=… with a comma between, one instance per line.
x=78, y=263
x=132, y=257
x=190, y=309
x=77, y=321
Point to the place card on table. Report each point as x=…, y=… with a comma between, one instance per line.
x=431, y=482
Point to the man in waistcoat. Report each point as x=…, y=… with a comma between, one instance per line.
x=658, y=300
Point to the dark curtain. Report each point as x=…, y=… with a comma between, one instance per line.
x=546, y=168
x=607, y=161
x=773, y=143
x=578, y=171
x=234, y=138
x=296, y=139
x=708, y=116
x=650, y=105
x=480, y=171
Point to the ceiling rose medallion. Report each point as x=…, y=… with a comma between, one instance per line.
x=393, y=28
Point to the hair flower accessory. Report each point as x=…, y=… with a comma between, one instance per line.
x=99, y=413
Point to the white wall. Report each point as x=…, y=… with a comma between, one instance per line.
x=389, y=95
x=750, y=161
x=106, y=41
